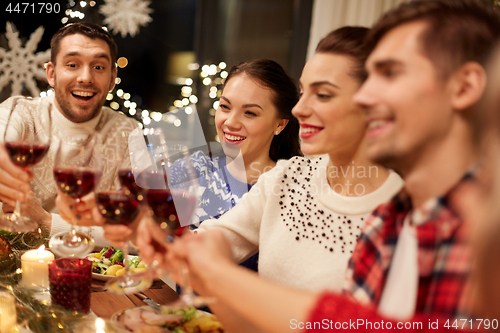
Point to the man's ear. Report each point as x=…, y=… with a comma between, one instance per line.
x=49, y=71
x=469, y=83
x=113, y=78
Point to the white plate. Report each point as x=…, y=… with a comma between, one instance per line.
x=115, y=316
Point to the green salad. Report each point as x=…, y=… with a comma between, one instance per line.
x=109, y=261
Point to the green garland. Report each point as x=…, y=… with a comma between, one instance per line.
x=39, y=316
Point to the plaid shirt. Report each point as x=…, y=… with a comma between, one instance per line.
x=444, y=258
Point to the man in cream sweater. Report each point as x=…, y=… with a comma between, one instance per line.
x=82, y=71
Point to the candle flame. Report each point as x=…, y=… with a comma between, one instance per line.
x=100, y=324
x=40, y=249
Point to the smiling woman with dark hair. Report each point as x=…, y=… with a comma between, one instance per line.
x=254, y=118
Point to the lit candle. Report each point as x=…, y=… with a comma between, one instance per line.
x=34, y=264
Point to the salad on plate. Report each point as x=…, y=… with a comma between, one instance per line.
x=109, y=262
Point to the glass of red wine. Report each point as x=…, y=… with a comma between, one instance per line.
x=77, y=171
x=123, y=207
x=171, y=192
x=27, y=140
x=120, y=207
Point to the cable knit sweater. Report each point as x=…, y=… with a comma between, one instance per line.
x=110, y=124
x=305, y=232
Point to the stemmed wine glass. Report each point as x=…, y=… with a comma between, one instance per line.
x=172, y=208
x=123, y=207
x=77, y=171
x=171, y=193
x=27, y=140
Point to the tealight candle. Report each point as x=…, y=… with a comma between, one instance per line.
x=34, y=264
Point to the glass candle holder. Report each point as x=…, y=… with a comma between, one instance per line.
x=70, y=280
x=8, y=317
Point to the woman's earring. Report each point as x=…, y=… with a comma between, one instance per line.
x=276, y=132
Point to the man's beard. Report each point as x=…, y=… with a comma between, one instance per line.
x=76, y=115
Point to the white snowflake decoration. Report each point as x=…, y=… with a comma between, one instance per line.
x=125, y=16
x=22, y=65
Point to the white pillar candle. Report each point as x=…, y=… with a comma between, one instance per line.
x=34, y=264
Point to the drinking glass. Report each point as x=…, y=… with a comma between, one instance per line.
x=171, y=194
x=77, y=170
x=122, y=207
x=70, y=280
x=27, y=140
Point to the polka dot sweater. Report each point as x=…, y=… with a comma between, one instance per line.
x=304, y=230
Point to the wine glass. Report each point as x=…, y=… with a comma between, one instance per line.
x=123, y=207
x=77, y=170
x=172, y=206
x=137, y=175
x=27, y=140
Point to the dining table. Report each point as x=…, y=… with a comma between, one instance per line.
x=105, y=304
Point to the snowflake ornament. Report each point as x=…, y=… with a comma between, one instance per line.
x=22, y=65
x=125, y=16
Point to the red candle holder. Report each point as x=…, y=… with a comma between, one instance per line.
x=70, y=280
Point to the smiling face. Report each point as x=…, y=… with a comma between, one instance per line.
x=247, y=117
x=330, y=123
x=408, y=105
x=82, y=76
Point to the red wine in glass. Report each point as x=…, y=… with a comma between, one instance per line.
x=165, y=205
x=24, y=154
x=117, y=207
x=75, y=182
x=120, y=207
x=127, y=180
x=27, y=141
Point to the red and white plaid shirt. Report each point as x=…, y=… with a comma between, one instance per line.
x=444, y=258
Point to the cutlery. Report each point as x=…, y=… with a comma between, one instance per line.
x=156, y=306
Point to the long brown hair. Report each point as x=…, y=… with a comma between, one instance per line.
x=285, y=95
